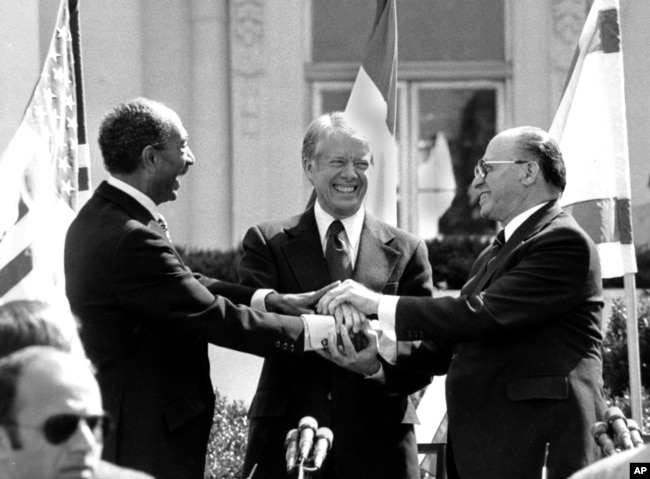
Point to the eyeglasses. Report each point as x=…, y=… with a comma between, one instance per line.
x=480, y=169
x=61, y=427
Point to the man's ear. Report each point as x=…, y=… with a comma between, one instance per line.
x=531, y=172
x=307, y=166
x=148, y=157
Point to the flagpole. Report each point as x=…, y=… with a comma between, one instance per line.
x=75, y=32
x=629, y=282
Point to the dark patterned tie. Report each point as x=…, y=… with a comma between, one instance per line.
x=497, y=244
x=165, y=228
x=337, y=253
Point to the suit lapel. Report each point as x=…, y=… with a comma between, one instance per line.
x=304, y=253
x=530, y=227
x=131, y=206
x=376, y=260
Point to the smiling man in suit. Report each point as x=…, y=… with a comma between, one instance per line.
x=525, y=381
x=368, y=408
x=146, y=319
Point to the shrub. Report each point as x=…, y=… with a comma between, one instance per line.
x=228, y=436
x=212, y=262
x=615, y=359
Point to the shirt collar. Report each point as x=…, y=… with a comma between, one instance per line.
x=518, y=220
x=352, y=224
x=136, y=194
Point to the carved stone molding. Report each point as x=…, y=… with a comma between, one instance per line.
x=567, y=19
x=247, y=62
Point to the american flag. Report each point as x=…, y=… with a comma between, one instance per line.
x=44, y=177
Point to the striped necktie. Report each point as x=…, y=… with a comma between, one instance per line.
x=337, y=253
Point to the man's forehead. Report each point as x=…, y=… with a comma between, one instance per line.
x=47, y=388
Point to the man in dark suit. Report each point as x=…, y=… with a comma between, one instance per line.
x=372, y=419
x=146, y=319
x=52, y=424
x=524, y=385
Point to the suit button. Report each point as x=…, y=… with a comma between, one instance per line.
x=285, y=346
x=329, y=396
x=292, y=348
x=276, y=344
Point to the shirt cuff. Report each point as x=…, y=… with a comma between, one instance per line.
x=258, y=301
x=386, y=312
x=318, y=329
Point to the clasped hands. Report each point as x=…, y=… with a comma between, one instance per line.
x=353, y=344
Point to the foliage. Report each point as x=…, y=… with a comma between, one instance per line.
x=615, y=356
x=212, y=262
x=228, y=437
x=451, y=258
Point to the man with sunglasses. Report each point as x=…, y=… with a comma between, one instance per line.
x=524, y=385
x=52, y=424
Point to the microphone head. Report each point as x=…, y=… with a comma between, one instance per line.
x=325, y=433
x=632, y=425
x=614, y=413
x=308, y=422
x=292, y=436
x=598, y=428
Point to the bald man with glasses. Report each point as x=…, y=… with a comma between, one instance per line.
x=52, y=423
x=525, y=381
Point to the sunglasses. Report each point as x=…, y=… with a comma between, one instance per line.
x=481, y=170
x=61, y=427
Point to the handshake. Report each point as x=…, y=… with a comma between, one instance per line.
x=617, y=433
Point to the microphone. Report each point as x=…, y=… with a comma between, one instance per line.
x=291, y=449
x=307, y=427
x=324, y=440
x=618, y=424
x=599, y=432
x=635, y=433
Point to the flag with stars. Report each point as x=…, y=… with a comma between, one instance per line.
x=43, y=177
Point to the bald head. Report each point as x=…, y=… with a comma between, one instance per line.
x=521, y=168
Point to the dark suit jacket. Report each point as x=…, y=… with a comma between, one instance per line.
x=146, y=321
x=526, y=368
x=372, y=424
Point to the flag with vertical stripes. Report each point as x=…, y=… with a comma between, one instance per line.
x=590, y=125
x=372, y=103
x=44, y=173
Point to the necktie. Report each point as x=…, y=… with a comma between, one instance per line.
x=497, y=244
x=165, y=228
x=337, y=253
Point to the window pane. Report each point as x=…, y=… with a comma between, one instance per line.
x=450, y=30
x=454, y=125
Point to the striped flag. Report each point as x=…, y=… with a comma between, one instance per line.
x=590, y=125
x=372, y=103
x=44, y=174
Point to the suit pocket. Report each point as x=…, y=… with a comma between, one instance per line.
x=538, y=387
x=269, y=402
x=182, y=410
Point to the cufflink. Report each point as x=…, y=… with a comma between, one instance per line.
x=324, y=342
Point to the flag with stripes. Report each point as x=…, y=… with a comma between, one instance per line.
x=372, y=103
x=44, y=175
x=590, y=125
